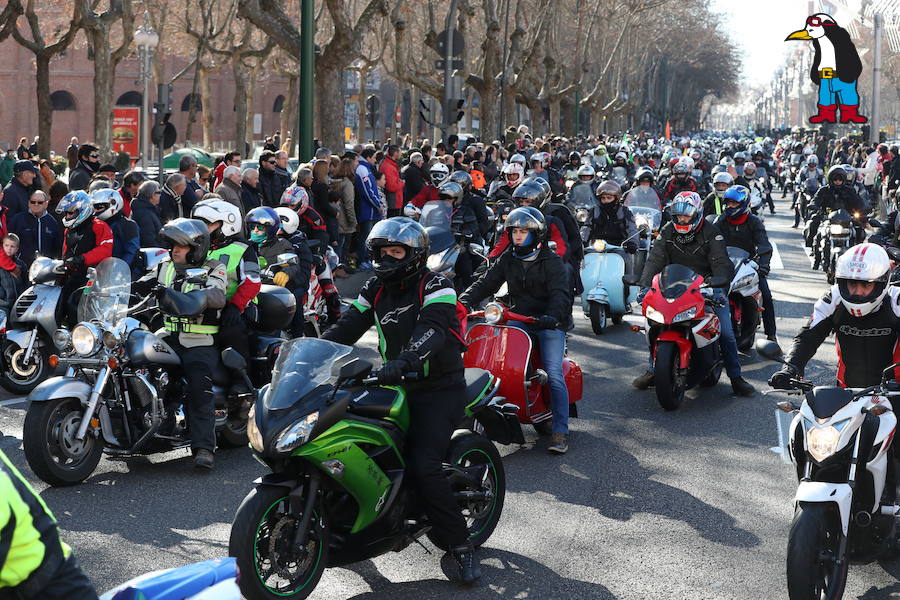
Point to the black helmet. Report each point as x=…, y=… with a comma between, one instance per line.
x=451, y=190
x=530, y=218
x=835, y=172
x=187, y=232
x=573, y=156
x=529, y=190
x=462, y=178
x=398, y=231
x=645, y=174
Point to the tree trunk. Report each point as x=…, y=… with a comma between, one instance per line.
x=240, y=104
x=488, y=115
x=567, y=112
x=289, y=109
x=414, y=96
x=362, y=117
x=44, y=106
x=206, y=111
x=553, y=125
x=103, y=80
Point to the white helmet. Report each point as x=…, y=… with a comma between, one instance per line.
x=290, y=220
x=106, y=203
x=216, y=210
x=586, y=171
x=688, y=161
x=518, y=158
x=439, y=172
x=513, y=168
x=863, y=263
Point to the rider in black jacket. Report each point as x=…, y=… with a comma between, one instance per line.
x=837, y=194
x=414, y=311
x=747, y=232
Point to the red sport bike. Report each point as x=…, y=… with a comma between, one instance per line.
x=514, y=357
x=682, y=332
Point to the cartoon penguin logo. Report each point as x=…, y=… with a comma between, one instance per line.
x=835, y=69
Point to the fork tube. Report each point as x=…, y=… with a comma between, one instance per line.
x=102, y=376
x=854, y=460
x=30, y=347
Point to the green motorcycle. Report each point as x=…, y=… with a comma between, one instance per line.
x=337, y=493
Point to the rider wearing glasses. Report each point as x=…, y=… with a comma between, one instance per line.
x=88, y=166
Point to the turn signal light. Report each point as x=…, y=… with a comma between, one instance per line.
x=878, y=410
x=53, y=361
x=112, y=363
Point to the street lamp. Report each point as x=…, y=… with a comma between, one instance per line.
x=146, y=40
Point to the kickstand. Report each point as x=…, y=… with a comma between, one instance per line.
x=424, y=547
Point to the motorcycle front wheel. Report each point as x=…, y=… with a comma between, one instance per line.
x=597, y=314
x=812, y=569
x=20, y=378
x=667, y=376
x=51, y=449
x=262, y=537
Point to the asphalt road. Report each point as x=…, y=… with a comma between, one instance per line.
x=646, y=504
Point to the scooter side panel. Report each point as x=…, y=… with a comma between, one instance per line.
x=820, y=492
x=601, y=273
x=504, y=351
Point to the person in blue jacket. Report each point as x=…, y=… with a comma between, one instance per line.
x=126, y=235
x=39, y=231
x=369, y=209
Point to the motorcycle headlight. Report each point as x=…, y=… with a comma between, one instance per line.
x=581, y=215
x=685, y=315
x=642, y=222
x=654, y=315
x=296, y=434
x=821, y=442
x=743, y=281
x=86, y=339
x=253, y=434
x=61, y=339
x=493, y=313
x=599, y=245
x=838, y=230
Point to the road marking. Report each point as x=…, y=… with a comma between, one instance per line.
x=14, y=401
x=776, y=262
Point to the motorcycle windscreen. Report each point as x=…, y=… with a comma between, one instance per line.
x=436, y=213
x=674, y=281
x=302, y=365
x=106, y=299
x=504, y=351
x=737, y=255
x=647, y=217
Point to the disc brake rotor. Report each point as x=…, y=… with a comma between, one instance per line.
x=17, y=362
x=285, y=562
x=66, y=441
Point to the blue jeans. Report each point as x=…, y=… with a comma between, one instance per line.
x=834, y=91
x=552, y=345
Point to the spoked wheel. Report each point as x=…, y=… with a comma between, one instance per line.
x=668, y=377
x=598, y=317
x=51, y=448
x=479, y=485
x=262, y=539
x=23, y=375
x=814, y=569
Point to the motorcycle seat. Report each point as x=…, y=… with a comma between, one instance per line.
x=476, y=381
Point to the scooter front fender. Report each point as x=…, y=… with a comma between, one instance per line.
x=61, y=387
x=685, y=347
x=597, y=294
x=21, y=337
x=820, y=492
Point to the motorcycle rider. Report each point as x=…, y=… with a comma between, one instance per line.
x=614, y=223
x=744, y=230
x=191, y=336
x=35, y=564
x=530, y=193
x=571, y=168
x=583, y=190
x=835, y=195
x=644, y=179
x=264, y=223
x=810, y=180
x=126, y=235
x=223, y=220
x=714, y=204
x=414, y=310
x=512, y=175
x=474, y=201
x=290, y=224
x=86, y=241
x=749, y=180
x=689, y=240
x=538, y=287
x=681, y=181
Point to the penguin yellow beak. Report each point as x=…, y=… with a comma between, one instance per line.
x=801, y=34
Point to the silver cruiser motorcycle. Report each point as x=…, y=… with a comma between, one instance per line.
x=111, y=398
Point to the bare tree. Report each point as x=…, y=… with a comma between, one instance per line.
x=8, y=16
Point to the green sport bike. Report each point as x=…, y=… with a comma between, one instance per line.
x=337, y=493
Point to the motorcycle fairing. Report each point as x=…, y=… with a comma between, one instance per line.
x=683, y=343
x=706, y=331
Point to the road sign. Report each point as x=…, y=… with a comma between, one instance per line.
x=456, y=47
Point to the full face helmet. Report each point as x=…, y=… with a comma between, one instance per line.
x=721, y=182
x=107, y=203
x=739, y=194
x=187, y=232
x=290, y=220
x=296, y=197
x=531, y=219
x=462, y=178
x=749, y=168
x=586, y=173
x=863, y=263
x=513, y=174
x=609, y=188
x=263, y=224
x=837, y=175
x=439, y=172
x=452, y=191
x=76, y=208
x=690, y=205
x=645, y=175
x=529, y=192
x=216, y=210
x=403, y=232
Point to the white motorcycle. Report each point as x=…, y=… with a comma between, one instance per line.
x=744, y=298
x=840, y=442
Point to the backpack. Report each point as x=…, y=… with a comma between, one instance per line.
x=462, y=315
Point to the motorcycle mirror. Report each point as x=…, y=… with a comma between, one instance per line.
x=287, y=258
x=355, y=369
x=893, y=253
x=875, y=223
x=769, y=350
x=232, y=359
x=630, y=279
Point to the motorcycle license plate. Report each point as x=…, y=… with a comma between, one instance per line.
x=783, y=426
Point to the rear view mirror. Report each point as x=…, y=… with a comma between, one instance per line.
x=196, y=276
x=769, y=350
x=232, y=359
x=287, y=258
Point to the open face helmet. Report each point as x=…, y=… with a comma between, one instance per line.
x=290, y=220
x=187, y=232
x=263, y=224
x=864, y=263
x=216, y=210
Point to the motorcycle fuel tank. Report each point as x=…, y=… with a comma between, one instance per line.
x=146, y=348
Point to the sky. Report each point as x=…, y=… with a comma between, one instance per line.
x=759, y=28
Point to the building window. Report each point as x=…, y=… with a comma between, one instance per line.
x=186, y=103
x=130, y=99
x=62, y=100
x=279, y=104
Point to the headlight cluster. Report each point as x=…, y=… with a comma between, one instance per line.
x=61, y=339
x=86, y=339
x=743, y=281
x=642, y=222
x=822, y=441
x=296, y=434
x=654, y=315
x=599, y=245
x=685, y=315
x=839, y=230
x=493, y=313
x=581, y=215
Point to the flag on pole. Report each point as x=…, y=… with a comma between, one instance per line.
x=668, y=131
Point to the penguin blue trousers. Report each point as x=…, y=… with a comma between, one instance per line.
x=834, y=91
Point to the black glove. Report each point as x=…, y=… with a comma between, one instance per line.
x=392, y=372
x=547, y=322
x=630, y=247
x=231, y=315
x=74, y=264
x=763, y=271
x=781, y=380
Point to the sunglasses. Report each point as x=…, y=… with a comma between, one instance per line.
x=258, y=227
x=93, y=156
x=818, y=22
x=37, y=202
x=272, y=162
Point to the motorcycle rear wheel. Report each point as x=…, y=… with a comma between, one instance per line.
x=667, y=379
x=18, y=378
x=261, y=539
x=469, y=449
x=51, y=450
x=815, y=531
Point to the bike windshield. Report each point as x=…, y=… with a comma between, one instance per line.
x=302, y=365
x=619, y=174
x=675, y=280
x=737, y=255
x=106, y=297
x=436, y=213
x=642, y=197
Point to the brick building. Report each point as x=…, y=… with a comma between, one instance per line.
x=71, y=85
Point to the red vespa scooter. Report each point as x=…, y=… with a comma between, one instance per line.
x=510, y=354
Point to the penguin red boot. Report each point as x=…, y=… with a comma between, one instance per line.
x=827, y=114
x=849, y=114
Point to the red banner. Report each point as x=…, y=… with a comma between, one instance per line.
x=126, y=130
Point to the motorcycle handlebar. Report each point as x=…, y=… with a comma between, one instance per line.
x=375, y=378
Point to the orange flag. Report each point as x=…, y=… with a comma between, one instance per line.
x=668, y=131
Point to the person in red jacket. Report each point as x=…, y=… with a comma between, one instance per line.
x=393, y=187
x=231, y=159
x=86, y=242
x=681, y=181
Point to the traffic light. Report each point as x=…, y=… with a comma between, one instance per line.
x=372, y=106
x=460, y=112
